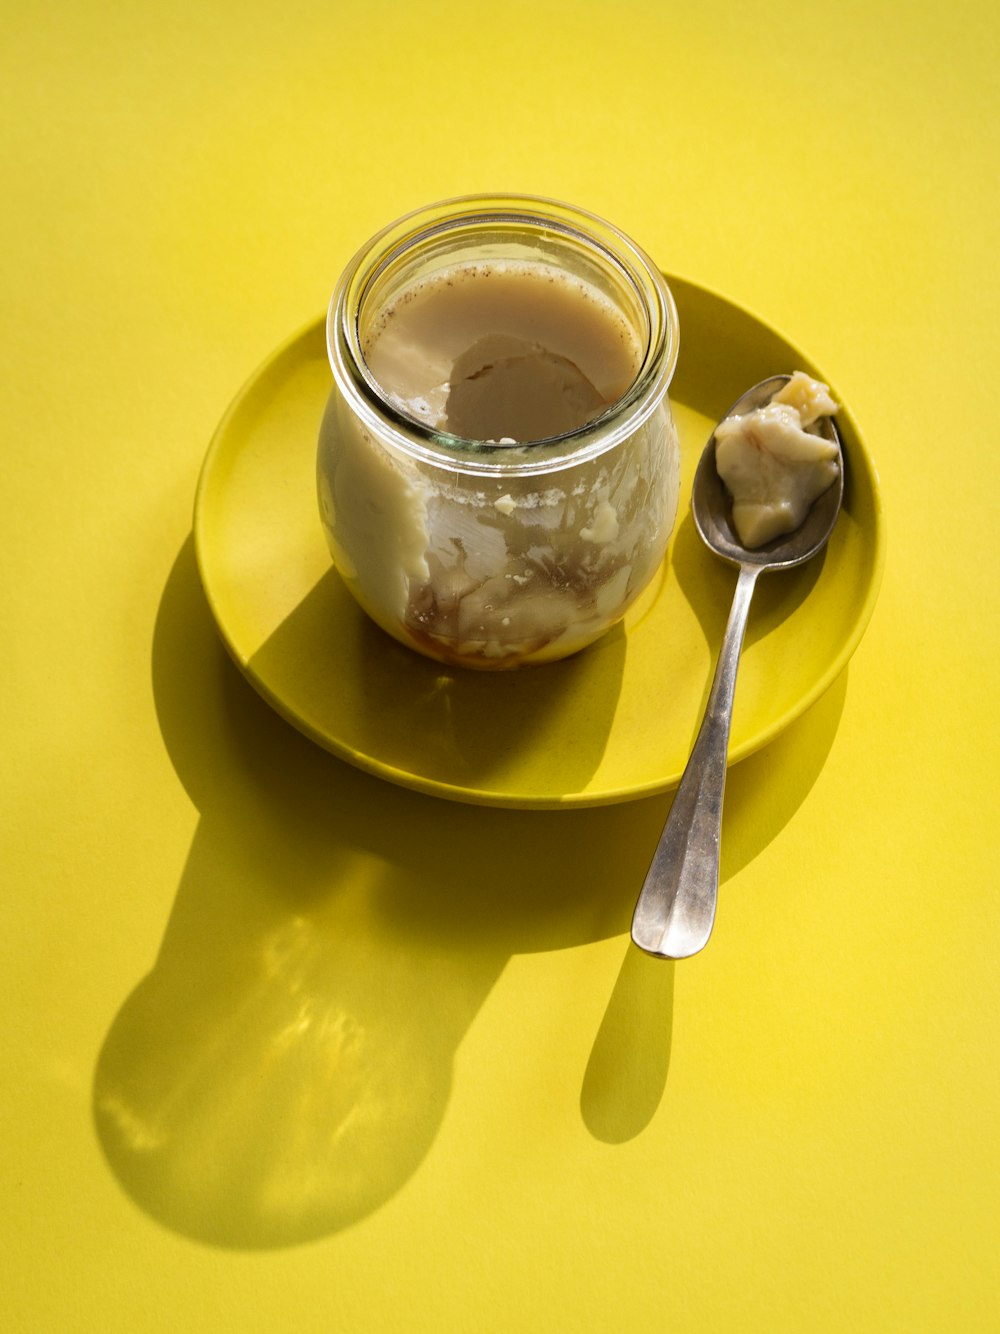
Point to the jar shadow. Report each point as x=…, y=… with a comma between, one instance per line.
x=284, y=1066
x=425, y=722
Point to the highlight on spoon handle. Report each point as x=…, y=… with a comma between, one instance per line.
x=676, y=909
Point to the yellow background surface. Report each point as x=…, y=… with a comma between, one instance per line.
x=285, y=1047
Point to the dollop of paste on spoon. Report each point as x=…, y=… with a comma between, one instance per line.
x=774, y=462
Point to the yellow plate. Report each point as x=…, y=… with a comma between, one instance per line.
x=615, y=722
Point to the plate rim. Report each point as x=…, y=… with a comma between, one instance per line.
x=481, y=796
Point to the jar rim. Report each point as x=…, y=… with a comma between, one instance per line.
x=467, y=214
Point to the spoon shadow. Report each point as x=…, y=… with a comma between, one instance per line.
x=628, y=1067
x=627, y=1071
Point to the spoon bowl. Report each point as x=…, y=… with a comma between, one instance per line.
x=712, y=510
x=675, y=911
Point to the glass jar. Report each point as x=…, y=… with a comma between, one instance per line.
x=468, y=514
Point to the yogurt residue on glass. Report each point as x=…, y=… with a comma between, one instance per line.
x=498, y=545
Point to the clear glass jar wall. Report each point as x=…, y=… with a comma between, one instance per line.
x=461, y=530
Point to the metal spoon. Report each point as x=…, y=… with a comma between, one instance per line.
x=676, y=908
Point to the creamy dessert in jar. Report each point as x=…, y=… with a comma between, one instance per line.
x=498, y=465
x=774, y=461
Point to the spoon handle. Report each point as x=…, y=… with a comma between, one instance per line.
x=676, y=907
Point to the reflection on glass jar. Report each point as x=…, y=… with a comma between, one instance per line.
x=498, y=466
